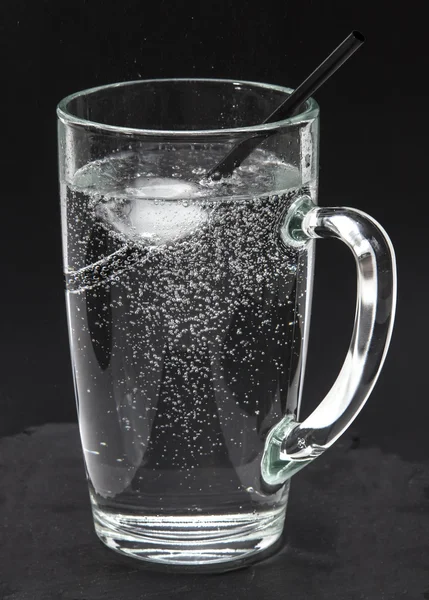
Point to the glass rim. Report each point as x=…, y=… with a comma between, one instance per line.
x=310, y=112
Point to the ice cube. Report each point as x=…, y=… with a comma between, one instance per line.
x=155, y=210
x=161, y=187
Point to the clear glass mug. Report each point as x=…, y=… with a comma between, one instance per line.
x=188, y=306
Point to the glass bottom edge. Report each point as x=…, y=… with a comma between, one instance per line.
x=200, y=543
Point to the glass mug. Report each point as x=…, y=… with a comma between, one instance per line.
x=188, y=303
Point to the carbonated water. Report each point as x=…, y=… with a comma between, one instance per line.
x=185, y=312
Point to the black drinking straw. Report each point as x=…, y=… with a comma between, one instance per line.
x=290, y=106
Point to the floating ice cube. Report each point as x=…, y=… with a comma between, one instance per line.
x=161, y=187
x=157, y=210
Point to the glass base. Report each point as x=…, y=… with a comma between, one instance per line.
x=197, y=543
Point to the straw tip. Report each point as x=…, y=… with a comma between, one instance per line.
x=358, y=35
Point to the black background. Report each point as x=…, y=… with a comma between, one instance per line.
x=373, y=157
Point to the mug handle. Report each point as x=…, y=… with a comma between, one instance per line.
x=291, y=445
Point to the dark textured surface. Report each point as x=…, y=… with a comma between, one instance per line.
x=357, y=528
